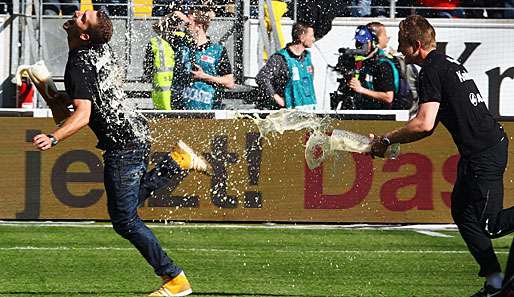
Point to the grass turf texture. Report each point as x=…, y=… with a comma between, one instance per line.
x=219, y=261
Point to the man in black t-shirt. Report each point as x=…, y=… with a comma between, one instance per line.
x=93, y=86
x=447, y=94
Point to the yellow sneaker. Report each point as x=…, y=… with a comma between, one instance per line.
x=177, y=286
x=187, y=159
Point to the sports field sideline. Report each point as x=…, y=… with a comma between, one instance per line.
x=89, y=259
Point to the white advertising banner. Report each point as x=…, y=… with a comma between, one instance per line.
x=484, y=46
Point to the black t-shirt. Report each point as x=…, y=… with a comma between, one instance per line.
x=462, y=108
x=93, y=74
x=380, y=75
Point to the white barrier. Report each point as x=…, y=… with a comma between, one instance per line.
x=5, y=52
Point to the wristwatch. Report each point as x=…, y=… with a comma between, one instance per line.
x=53, y=140
x=385, y=141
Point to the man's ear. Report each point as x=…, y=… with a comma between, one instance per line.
x=84, y=36
x=418, y=46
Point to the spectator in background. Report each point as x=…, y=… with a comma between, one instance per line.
x=67, y=7
x=374, y=8
x=361, y=8
x=203, y=67
x=286, y=80
x=158, y=64
x=443, y=8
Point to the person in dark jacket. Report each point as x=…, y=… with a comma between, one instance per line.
x=286, y=80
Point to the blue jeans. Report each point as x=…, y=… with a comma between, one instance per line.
x=128, y=185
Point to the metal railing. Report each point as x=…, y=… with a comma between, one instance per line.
x=131, y=35
x=393, y=10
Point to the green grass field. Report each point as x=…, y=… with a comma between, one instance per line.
x=226, y=260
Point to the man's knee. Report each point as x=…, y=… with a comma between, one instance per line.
x=126, y=228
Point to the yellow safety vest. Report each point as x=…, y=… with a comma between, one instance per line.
x=163, y=62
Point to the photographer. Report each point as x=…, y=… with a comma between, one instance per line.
x=376, y=79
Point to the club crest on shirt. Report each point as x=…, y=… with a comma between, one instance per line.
x=475, y=98
x=310, y=69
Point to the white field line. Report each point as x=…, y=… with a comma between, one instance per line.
x=107, y=248
x=173, y=224
x=433, y=233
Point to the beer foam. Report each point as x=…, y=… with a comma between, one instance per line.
x=111, y=101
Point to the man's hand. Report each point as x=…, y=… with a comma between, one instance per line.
x=378, y=149
x=198, y=73
x=279, y=100
x=42, y=142
x=355, y=85
x=181, y=16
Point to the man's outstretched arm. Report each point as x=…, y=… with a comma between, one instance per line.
x=421, y=126
x=74, y=123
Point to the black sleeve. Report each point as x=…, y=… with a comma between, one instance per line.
x=275, y=70
x=179, y=38
x=429, y=85
x=384, y=78
x=79, y=81
x=148, y=61
x=224, y=66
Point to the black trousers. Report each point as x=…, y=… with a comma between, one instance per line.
x=477, y=204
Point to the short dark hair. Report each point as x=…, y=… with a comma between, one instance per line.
x=102, y=32
x=417, y=28
x=299, y=28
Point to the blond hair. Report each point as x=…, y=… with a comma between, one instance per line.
x=203, y=18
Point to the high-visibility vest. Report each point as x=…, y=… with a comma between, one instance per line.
x=163, y=62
